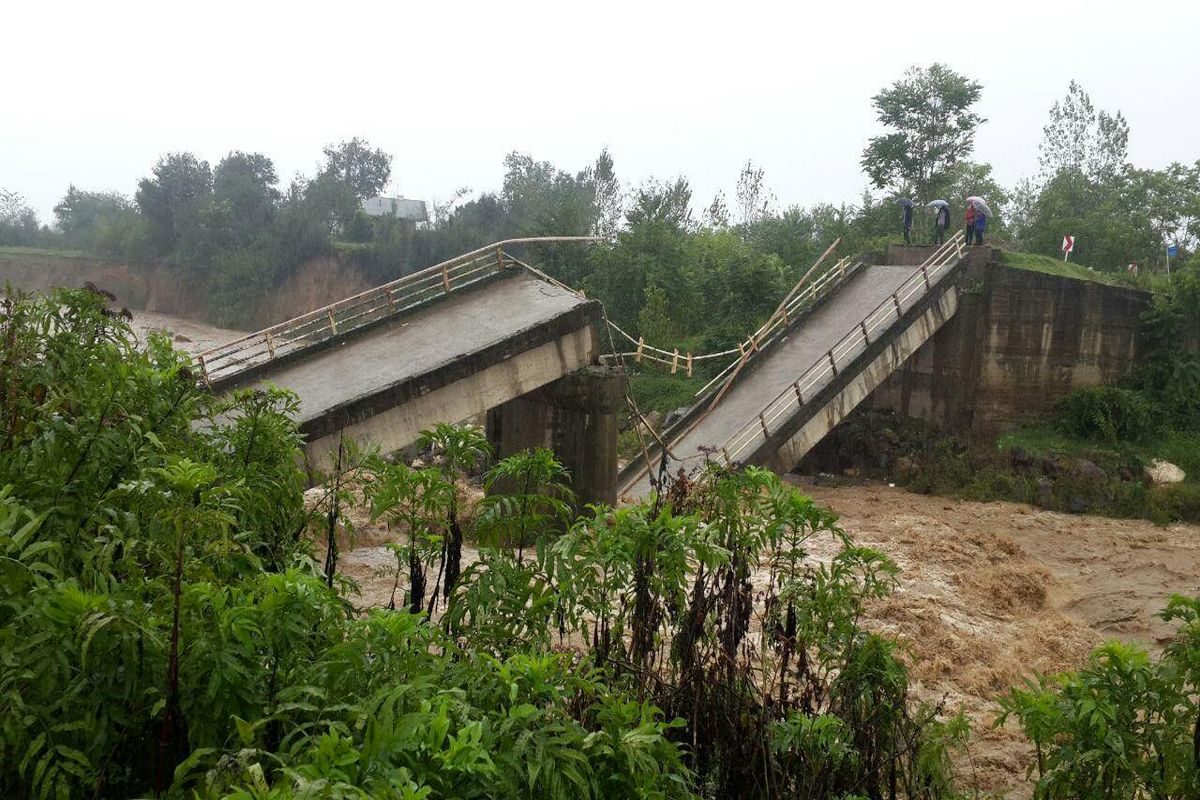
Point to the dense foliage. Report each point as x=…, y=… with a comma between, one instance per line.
x=1127, y=725
x=164, y=629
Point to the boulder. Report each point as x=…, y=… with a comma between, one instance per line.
x=1078, y=505
x=1020, y=457
x=1052, y=466
x=1087, y=469
x=1162, y=472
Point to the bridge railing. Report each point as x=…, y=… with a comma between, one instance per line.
x=353, y=312
x=758, y=429
x=825, y=283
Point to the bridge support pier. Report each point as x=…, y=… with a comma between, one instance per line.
x=576, y=417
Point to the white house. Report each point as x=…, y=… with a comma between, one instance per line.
x=399, y=207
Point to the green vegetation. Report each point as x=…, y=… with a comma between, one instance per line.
x=41, y=251
x=165, y=630
x=1063, y=269
x=1124, y=726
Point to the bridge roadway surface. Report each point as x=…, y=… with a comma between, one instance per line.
x=754, y=389
x=417, y=344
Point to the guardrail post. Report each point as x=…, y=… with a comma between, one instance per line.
x=675, y=362
x=641, y=344
x=332, y=321
x=391, y=298
x=725, y=455
x=500, y=260
x=270, y=344
x=866, y=336
x=689, y=365
x=446, y=279
x=763, y=423
x=204, y=371
x=896, y=300
x=925, y=275
x=799, y=396
x=832, y=363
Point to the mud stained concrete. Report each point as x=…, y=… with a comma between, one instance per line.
x=990, y=593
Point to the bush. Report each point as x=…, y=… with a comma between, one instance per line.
x=1106, y=413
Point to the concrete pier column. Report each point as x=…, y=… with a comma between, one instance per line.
x=576, y=417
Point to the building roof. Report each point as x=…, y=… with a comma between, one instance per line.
x=399, y=207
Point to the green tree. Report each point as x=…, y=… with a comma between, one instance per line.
x=244, y=185
x=931, y=127
x=18, y=220
x=1079, y=139
x=171, y=201
x=358, y=166
x=81, y=214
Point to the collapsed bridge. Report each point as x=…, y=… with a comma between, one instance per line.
x=485, y=333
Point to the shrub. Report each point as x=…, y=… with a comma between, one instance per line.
x=1106, y=413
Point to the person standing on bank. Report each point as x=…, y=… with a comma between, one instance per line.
x=980, y=226
x=908, y=218
x=969, y=219
x=941, y=221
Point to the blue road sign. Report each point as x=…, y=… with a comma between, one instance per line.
x=1172, y=250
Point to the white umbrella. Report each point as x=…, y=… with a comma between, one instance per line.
x=980, y=205
x=937, y=204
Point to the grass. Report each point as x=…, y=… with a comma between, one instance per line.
x=1180, y=447
x=1063, y=269
x=655, y=390
x=41, y=251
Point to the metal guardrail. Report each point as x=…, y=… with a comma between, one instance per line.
x=402, y=294
x=758, y=429
x=677, y=360
x=825, y=283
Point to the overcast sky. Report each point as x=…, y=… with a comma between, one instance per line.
x=95, y=92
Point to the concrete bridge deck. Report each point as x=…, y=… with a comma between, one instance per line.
x=448, y=360
x=792, y=394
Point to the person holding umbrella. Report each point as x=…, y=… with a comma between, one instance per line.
x=969, y=223
x=941, y=221
x=982, y=212
x=908, y=216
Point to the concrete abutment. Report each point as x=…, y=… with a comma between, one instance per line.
x=574, y=416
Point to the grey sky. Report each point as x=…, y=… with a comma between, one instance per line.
x=96, y=92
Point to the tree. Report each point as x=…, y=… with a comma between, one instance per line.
x=668, y=202
x=609, y=199
x=171, y=200
x=363, y=169
x=753, y=199
x=18, y=221
x=1080, y=139
x=80, y=213
x=245, y=184
x=932, y=128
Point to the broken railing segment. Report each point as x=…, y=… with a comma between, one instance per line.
x=760, y=427
x=402, y=294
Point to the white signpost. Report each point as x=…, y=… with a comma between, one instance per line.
x=1068, y=245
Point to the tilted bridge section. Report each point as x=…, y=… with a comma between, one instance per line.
x=851, y=331
x=468, y=336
